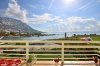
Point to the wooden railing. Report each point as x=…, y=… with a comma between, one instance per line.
x=48, y=50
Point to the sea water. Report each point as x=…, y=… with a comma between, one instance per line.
x=56, y=35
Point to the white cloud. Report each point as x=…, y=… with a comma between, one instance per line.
x=84, y=6
x=38, y=19
x=51, y=3
x=54, y=21
x=14, y=10
x=75, y=19
x=69, y=24
x=42, y=18
x=82, y=24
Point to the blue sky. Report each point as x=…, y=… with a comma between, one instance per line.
x=55, y=15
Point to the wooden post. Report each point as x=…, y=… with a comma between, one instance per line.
x=62, y=61
x=27, y=51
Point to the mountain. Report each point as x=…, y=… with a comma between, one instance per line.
x=14, y=25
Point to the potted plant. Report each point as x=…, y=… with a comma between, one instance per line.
x=29, y=61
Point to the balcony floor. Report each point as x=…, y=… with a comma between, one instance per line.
x=66, y=63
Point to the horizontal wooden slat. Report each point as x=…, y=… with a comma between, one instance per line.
x=45, y=46
x=45, y=54
x=71, y=46
x=81, y=54
x=78, y=58
x=64, y=51
x=46, y=41
x=54, y=50
x=12, y=46
x=10, y=54
x=14, y=57
x=16, y=50
x=66, y=58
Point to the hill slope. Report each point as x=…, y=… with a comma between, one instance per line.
x=9, y=24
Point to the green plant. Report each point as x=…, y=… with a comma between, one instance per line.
x=30, y=59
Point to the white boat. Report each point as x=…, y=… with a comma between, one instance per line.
x=1, y=37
